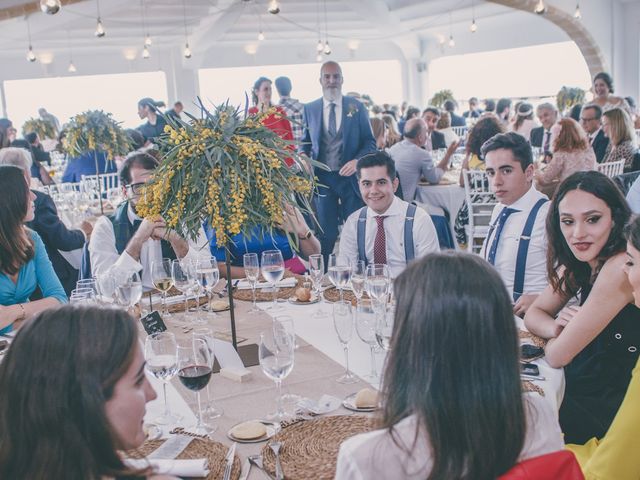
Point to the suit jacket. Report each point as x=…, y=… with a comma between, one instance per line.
x=537, y=134
x=599, y=145
x=457, y=120
x=437, y=140
x=356, y=130
x=56, y=236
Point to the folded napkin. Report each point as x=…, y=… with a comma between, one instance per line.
x=325, y=404
x=173, y=300
x=197, y=467
x=285, y=282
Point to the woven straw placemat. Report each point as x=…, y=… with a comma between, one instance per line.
x=215, y=452
x=332, y=294
x=283, y=292
x=534, y=339
x=310, y=448
x=176, y=307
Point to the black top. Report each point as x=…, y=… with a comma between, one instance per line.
x=150, y=132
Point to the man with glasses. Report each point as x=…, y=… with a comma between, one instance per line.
x=124, y=242
x=591, y=121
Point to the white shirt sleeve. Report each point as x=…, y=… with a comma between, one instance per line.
x=348, y=247
x=347, y=467
x=425, y=237
x=103, y=253
x=199, y=247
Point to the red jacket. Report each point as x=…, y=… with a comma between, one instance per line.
x=279, y=124
x=560, y=465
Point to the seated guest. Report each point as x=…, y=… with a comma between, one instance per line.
x=575, y=111
x=591, y=121
x=386, y=220
x=380, y=132
x=412, y=112
x=24, y=265
x=489, y=106
x=453, y=332
x=263, y=240
x=46, y=223
x=412, y=162
x=503, y=110
x=393, y=136
x=76, y=421
x=633, y=197
x=524, y=121
x=614, y=455
x=541, y=136
x=474, y=111
x=444, y=127
x=618, y=128
x=516, y=244
x=124, y=243
x=571, y=153
x=37, y=170
x=456, y=120
x=6, y=126
x=148, y=109
x=596, y=342
x=435, y=139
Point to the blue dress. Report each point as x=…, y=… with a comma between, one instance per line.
x=37, y=272
x=255, y=244
x=85, y=164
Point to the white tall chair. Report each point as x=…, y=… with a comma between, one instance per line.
x=460, y=131
x=611, y=169
x=109, y=181
x=480, y=202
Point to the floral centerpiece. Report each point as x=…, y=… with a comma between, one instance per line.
x=567, y=97
x=43, y=128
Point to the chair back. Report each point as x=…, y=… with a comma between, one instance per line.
x=109, y=181
x=625, y=181
x=561, y=465
x=480, y=202
x=460, y=131
x=638, y=135
x=611, y=169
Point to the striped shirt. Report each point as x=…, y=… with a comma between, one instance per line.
x=293, y=108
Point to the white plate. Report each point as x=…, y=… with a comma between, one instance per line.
x=350, y=404
x=272, y=429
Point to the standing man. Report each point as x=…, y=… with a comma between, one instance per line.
x=175, y=111
x=337, y=133
x=292, y=107
x=541, y=136
x=435, y=139
x=516, y=244
x=591, y=121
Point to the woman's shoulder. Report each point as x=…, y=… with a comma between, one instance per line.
x=35, y=237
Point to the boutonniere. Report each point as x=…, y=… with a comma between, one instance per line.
x=353, y=109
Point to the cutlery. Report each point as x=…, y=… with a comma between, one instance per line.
x=246, y=468
x=229, y=459
x=257, y=461
x=275, y=448
x=532, y=377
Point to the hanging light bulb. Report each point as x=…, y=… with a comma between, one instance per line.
x=30, y=55
x=50, y=7
x=319, y=46
x=327, y=48
x=100, y=31
x=319, y=57
x=72, y=67
x=187, y=51
x=452, y=42
x=540, y=7
x=147, y=40
x=261, y=36
x=577, y=14
x=474, y=26
x=274, y=8
x=145, y=52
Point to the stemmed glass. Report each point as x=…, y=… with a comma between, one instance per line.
x=208, y=276
x=183, y=280
x=106, y=286
x=206, y=334
x=195, y=366
x=358, y=274
x=82, y=296
x=366, y=330
x=276, y=354
x=87, y=283
x=377, y=283
x=339, y=272
x=252, y=272
x=316, y=272
x=129, y=290
x=343, y=323
x=384, y=327
x=273, y=271
x=162, y=280
x=161, y=355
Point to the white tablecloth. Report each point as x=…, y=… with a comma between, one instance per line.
x=448, y=197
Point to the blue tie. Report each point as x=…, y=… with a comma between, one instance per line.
x=332, y=130
x=499, y=225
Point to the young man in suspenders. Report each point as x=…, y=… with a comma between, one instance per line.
x=516, y=243
x=387, y=230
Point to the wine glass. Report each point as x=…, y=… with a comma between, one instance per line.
x=106, y=285
x=366, y=330
x=252, y=272
x=162, y=280
x=339, y=272
x=87, y=283
x=273, y=271
x=276, y=354
x=206, y=334
x=377, y=283
x=83, y=296
x=358, y=274
x=129, y=290
x=343, y=323
x=195, y=366
x=183, y=280
x=208, y=277
x=161, y=355
x=384, y=327
x=316, y=272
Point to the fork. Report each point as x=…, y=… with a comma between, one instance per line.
x=275, y=448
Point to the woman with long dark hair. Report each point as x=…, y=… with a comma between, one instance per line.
x=452, y=401
x=148, y=109
x=24, y=264
x=73, y=394
x=597, y=342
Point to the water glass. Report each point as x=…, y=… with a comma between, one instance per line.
x=377, y=281
x=206, y=334
x=195, y=366
x=273, y=271
x=316, y=272
x=343, y=323
x=366, y=330
x=276, y=354
x=129, y=290
x=162, y=280
x=82, y=296
x=358, y=274
x=384, y=327
x=208, y=276
x=339, y=272
x=106, y=286
x=252, y=273
x=87, y=283
x=161, y=356
x=183, y=279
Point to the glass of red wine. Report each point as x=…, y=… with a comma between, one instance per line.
x=195, y=365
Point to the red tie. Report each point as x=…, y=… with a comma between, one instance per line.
x=380, y=243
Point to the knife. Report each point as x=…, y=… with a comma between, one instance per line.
x=229, y=459
x=246, y=467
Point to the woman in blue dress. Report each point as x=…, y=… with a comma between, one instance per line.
x=24, y=264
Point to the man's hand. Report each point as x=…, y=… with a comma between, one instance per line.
x=87, y=229
x=523, y=304
x=348, y=168
x=180, y=245
x=146, y=229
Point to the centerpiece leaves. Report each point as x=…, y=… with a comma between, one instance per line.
x=95, y=130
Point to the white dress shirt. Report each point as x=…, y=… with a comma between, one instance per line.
x=105, y=257
x=535, y=278
x=425, y=238
x=327, y=110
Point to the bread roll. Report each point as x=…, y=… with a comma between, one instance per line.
x=303, y=294
x=249, y=430
x=366, y=398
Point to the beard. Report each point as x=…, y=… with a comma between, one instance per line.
x=331, y=93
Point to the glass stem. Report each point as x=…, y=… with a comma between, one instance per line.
x=166, y=404
x=341, y=297
x=186, y=303
x=253, y=296
x=164, y=303
x=374, y=369
x=346, y=359
x=210, y=299
x=280, y=411
x=200, y=422
x=275, y=296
